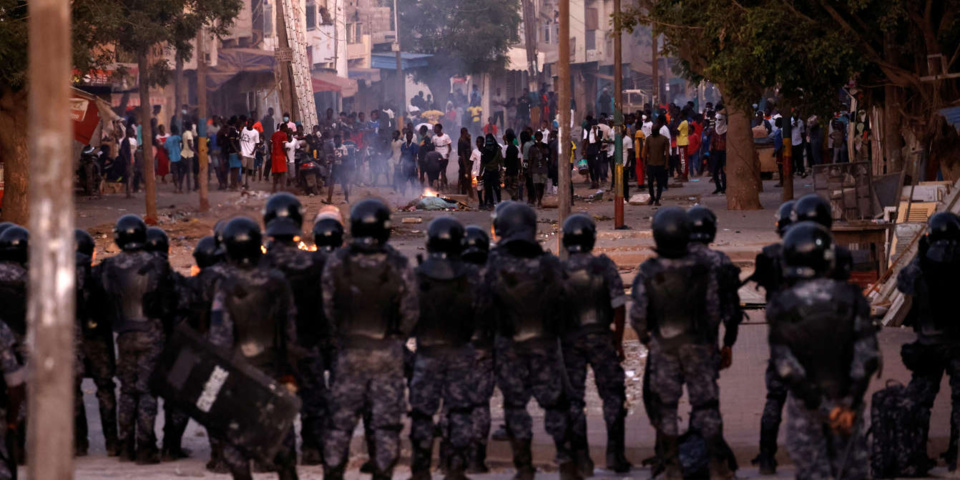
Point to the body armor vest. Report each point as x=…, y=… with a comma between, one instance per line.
x=590, y=299
x=525, y=299
x=258, y=328
x=677, y=301
x=366, y=299
x=938, y=313
x=130, y=285
x=303, y=270
x=446, y=304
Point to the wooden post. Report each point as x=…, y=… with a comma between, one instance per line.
x=787, y=133
x=530, y=43
x=618, y=220
x=655, y=70
x=401, y=80
x=146, y=134
x=50, y=314
x=565, y=192
x=202, y=154
x=178, y=93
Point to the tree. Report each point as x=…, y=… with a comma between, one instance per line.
x=746, y=48
x=100, y=28
x=464, y=36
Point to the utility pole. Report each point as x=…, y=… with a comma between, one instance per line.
x=655, y=69
x=284, y=56
x=202, y=121
x=565, y=192
x=401, y=81
x=50, y=304
x=530, y=43
x=618, y=221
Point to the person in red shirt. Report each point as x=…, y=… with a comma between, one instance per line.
x=279, y=156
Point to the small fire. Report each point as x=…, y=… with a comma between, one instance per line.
x=429, y=193
x=263, y=249
x=194, y=270
x=309, y=248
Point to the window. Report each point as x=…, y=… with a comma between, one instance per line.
x=591, y=40
x=546, y=33
x=267, y=19
x=311, y=15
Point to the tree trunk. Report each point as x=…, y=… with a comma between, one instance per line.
x=892, y=141
x=149, y=172
x=13, y=152
x=742, y=173
x=178, y=93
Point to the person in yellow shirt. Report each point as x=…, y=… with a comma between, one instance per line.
x=683, y=140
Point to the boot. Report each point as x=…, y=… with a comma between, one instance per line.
x=173, y=451
x=583, y=462
x=148, y=456
x=501, y=434
x=216, y=463
x=108, y=421
x=616, y=446
x=420, y=462
x=671, y=458
x=112, y=446
x=368, y=467
x=719, y=465
x=456, y=465
x=767, y=459
x=522, y=459
x=478, y=458
x=128, y=450
x=310, y=456
x=570, y=470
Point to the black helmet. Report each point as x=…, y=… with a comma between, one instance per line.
x=496, y=212
x=671, y=232
x=283, y=206
x=328, y=234
x=207, y=253
x=807, y=251
x=218, y=231
x=813, y=208
x=476, y=244
x=516, y=221
x=445, y=235
x=242, y=240
x=6, y=225
x=84, y=241
x=783, y=217
x=14, y=244
x=579, y=234
x=130, y=233
x=943, y=226
x=370, y=222
x=157, y=241
x=703, y=225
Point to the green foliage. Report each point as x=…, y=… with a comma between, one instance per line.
x=101, y=25
x=468, y=35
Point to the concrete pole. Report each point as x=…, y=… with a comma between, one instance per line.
x=50, y=304
x=618, y=220
x=655, y=71
x=202, y=121
x=565, y=192
x=401, y=80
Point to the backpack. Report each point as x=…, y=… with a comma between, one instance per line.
x=898, y=448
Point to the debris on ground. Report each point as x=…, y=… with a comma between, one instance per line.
x=436, y=203
x=412, y=220
x=639, y=199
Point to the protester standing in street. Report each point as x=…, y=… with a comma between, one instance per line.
x=656, y=151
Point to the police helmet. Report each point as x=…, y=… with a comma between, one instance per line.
x=671, y=232
x=808, y=251
x=157, y=241
x=943, y=226
x=84, y=241
x=496, y=212
x=445, y=235
x=130, y=233
x=703, y=225
x=476, y=244
x=370, y=222
x=243, y=241
x=516, y=221
x=784, y=215
x=6, y=225
x=813, y=208
x=579, y=234
x=218, y=231
x=207, y=253
x=283, y=206
x=328, y=234
x=14, y=244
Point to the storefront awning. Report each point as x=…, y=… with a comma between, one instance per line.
x=330, y=82
x=517, y=59
x=388, y=61
x=368, y=75
x=233, y=61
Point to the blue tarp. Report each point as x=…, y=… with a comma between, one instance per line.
x=388, y=61
x=952, y=115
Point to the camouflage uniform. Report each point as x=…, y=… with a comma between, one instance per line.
x=677, y=307
x=14, y=279
x=14, y=376
x=525, y=299
x=593, y=343
x=824, y=347
x=484, y=380
x=175, y=420
x=302, y=270
x=929, y=279
x=444, y=362
x=139, y=340
x=370, y=297
x=244, y=299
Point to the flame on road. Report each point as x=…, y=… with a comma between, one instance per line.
x=429, y=193
x=309, y=248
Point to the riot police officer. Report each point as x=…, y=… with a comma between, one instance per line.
x=444, y=360
x=476, y=245
x=95, y=354
x=370, y=297
x=140, y=290
x=14, y=375
x=283, y=218
x=929, y=281
x=526, y=286
x=254, y=314
x=327, y=233
x=14, y=253
x=824, y=347
x=158, y=242
x=677, y=313
x=598, y=300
